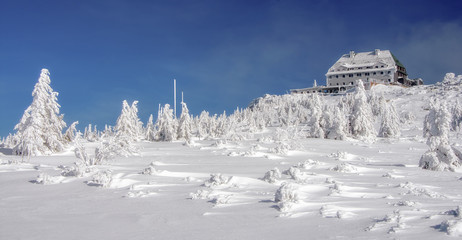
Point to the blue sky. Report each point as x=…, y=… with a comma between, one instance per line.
x=222, y=53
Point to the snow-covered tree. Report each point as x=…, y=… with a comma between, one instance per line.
x=337, y=129
x=456, y=116
x=441, y=155
x=185, y=124
x=390, y=122
x=361, y=118
x=317, y=130
x=71, y=132
x=128, y=124
x=167, y=125
x=150, y=133
x=40, y=128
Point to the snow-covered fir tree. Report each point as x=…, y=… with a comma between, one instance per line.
x=167, y=125
x=390, y=122
x=150, y=133
x=441, y=155
x=71, y=132
x=361, y=118
x=128, y=124
x=40, y=128
x=339, y=123
x=185, y=124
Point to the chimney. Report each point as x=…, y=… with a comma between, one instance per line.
x=377, y=52
x=352, y=54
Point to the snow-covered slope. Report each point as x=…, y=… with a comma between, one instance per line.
x=270, y=184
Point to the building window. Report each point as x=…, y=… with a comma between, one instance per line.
x=343, y=83
x=350, y=75
x=367, y=74
x=343, y=75
x=389, y=72
x=330, y=77
x=382, y=66
x=351, y=83
x=358, y=74
x=373, y=73
x=336, y=76
x=337, y=84
x=376, y=66
x=381, y=73
x=360, y=68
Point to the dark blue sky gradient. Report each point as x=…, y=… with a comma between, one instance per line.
x=222, y=53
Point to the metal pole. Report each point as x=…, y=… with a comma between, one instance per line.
x=174, y=96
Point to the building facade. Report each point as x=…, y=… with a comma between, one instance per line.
x=376, y=67
x=379, y=66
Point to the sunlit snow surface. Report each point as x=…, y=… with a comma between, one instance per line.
x=216, y=190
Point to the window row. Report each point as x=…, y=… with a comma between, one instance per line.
x=359, y=74
x=358, y=68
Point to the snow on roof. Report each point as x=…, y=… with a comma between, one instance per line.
x=365, y=59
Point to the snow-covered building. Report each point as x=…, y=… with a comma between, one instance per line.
x=376, y=67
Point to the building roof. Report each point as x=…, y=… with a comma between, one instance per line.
x=364, y=59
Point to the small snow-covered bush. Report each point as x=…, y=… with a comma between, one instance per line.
x=344, y=167
x=339, y=155
x=45, y=179
x=200, y=194
x=102, y=179
x=272, y=175
x=294, y=173
x=308, y=164
x=281, y=148
x=286, y=196
x=216, y=180
x=150, y=170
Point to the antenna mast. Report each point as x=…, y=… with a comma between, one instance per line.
x=174, y=96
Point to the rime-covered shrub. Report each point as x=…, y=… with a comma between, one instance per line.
x=45, y=179
x=272, y=175
x=344, y=167
x=216, y=179
x=150, y=170
x=294, y=173
x=286, y=196
x=308, y=164
x=101, y=179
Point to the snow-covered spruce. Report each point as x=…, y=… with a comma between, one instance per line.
x=128, y=124
x=166, y=124
x=40, y=128
x=361, y=118
x=441, y=155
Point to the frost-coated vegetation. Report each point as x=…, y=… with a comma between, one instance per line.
x=356, y=163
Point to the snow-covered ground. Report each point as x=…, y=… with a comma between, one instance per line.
x=261, y=187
